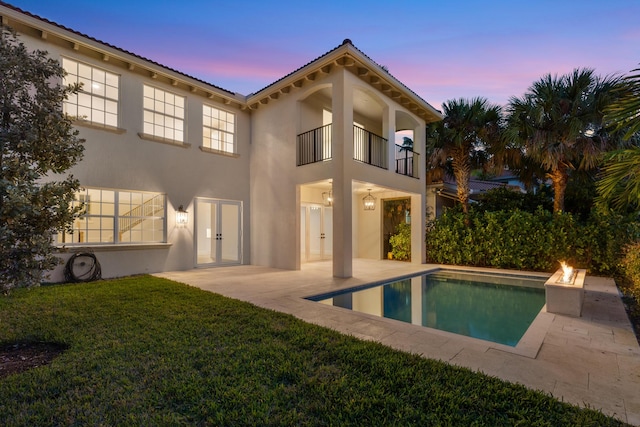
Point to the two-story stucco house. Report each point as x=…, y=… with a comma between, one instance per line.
x=179, y=173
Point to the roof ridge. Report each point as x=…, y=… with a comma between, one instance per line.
x=350, y=43
x=301, y=67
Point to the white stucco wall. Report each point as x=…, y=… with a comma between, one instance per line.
x=278, y=185
x=369, y=229
x=274, y=196
x=124, y=161
x=263, y=176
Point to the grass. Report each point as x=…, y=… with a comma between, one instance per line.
x=148, y=351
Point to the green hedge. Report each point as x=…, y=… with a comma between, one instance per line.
x=530, y=241
x=631, y=269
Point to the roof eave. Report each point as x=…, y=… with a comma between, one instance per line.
x=68, y=38
x=349, y=57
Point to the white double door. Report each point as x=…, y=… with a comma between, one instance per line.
x=218, y=232
x=316, y=232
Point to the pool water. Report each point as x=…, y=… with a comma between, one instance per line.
x=492, y=307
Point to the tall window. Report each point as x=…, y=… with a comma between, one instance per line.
x=163, y=114
x=97, y=100
x=118, y=216
x=218, y=129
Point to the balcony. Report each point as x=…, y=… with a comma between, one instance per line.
x=407, y=162
x=315, y=146
x=369, y=148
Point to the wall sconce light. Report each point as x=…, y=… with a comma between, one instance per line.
x=182, y=216
x=327, y=198
x=369, y=201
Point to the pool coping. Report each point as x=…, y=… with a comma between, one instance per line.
x=529, y=344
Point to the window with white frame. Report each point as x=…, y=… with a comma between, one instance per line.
x=97, y=99
x=218, y=129
x=117, y=216
x=163, y=114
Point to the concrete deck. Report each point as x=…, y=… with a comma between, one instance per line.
x=590, y=361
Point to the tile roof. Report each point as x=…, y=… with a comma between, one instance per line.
x=477, y=186
x=345, y=42
x=24, y=12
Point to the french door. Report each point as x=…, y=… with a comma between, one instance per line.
x=316, y=232
x=218, y=232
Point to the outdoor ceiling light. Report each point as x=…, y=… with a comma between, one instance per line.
x=182, y=216
x=369, y=201
x=327, y=198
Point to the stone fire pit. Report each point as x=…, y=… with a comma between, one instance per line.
x=565, y=295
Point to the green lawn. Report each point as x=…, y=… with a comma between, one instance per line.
x=148, y=351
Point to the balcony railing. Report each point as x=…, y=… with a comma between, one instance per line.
x=369, y=148
x=314, y=145
x=407, y=161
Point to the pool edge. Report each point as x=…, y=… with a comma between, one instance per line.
x=529, y=344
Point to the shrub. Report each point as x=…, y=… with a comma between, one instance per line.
x=502, y=198
x=603, y=239
x=401, y=242
x=530, y=240
x=631, y=268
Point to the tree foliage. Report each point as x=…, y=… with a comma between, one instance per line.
x=619, y=183
x=624, y=112
x=37, y=146
x=468, y=125
x=560, y=124
x=503, y=199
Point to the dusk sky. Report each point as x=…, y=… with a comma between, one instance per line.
x=440, y=50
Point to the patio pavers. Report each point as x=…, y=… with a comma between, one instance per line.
x=593, y=360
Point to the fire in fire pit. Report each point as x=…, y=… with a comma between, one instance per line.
x=567, y=273
x=565, y=291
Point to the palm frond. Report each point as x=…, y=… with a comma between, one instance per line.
x=619, y=183
x=624, y=113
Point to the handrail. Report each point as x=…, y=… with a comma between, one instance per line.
x=139, y=214
x=369, y=148
x=314, y=145
x=407, y=161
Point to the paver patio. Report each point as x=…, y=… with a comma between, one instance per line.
x=590, y=361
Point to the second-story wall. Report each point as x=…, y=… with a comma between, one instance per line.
x=276, y=178
x=119, y=158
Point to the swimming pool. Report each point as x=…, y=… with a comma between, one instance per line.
x=488, y=306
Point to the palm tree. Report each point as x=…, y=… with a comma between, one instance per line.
x=624, y=113
x=467, y=125
x=560, y=124
x=619, y=181
x=407, y=144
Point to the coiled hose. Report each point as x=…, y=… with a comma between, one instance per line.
x=82, y=267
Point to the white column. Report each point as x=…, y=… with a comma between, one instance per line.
x=299, y=221
x=389, y=129
x=416, y=300
x=420, y=146
x=342, y=162
x=418, y=229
